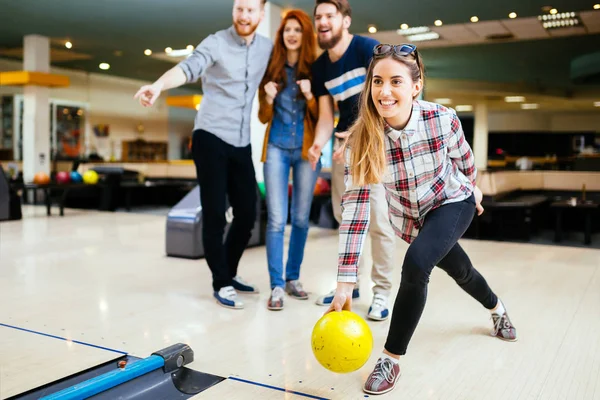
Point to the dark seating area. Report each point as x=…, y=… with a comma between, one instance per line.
x=520, y=205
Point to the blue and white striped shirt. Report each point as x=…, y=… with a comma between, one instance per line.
x=345, y=78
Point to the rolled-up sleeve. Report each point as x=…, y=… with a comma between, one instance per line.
x=203, y=56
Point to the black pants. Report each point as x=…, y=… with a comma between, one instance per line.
x=436, y=244
x=224, y=172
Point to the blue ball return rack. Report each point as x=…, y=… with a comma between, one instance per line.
x=163, y=375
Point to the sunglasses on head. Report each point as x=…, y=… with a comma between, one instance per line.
x=401, y=50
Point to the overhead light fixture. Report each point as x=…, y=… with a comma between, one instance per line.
x=404, y=26
x=372, y=29
x=474, y=18
x=104, y=66
x=530, y=106
x=596, y=6
x=562, y=20
x=180, y=52
x=190, y=47
x=148, y=52
x=412, y=31
x=422, y=37
x=168, y=50
x=553, y=11
x=464, y=107
x=68, y=45
x=514, y=99
x=443, y=101
x=438, y=22
x=512, y=15
x=597, y=104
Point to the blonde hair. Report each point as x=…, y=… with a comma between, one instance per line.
x=366, y=141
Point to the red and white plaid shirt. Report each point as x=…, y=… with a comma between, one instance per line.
x=429, y=164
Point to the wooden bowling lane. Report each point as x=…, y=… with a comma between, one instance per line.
x=30, y=360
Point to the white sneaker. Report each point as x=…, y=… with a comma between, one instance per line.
x=378, y=310
x=227, y=297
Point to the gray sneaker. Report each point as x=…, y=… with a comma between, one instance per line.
x=275, y=302
x=295, y=289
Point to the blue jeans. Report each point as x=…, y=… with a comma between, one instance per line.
x=277, y=172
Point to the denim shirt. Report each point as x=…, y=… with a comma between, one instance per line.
x=287, y=127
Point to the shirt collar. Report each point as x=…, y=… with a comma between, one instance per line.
x=411, y=126
x=238, y=39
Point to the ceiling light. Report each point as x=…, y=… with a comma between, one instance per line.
x=474, y=18
x=372, y=29
x=412, y=31
x=190, y=47
x=530, y=106
x=421, y=37
x=438, y=22
x=596, y=6
x=563, y=20
x=553, y=11
x=512, y=15
x=514, y=99
x=68, y=45
x=464, y=107
x=148, y=52
x=168, y=50
x=597, y=104
x=104, y=66
x=443, y=100
x=404, y=26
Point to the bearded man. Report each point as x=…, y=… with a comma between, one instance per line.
x=230, y=64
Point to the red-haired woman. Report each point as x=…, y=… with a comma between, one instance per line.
x=290, y=109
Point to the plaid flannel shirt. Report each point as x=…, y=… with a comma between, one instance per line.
x=429, y=164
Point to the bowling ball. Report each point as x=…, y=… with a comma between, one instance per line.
x=63, y=177
x=342, y=341
x=41, y=178
x=76, y=177
x=90, y=177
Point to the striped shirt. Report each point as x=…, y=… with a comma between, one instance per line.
x=429, y=164
x=344, y=79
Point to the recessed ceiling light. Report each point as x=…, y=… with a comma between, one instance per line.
x=168, y=50
x=372, y=29
x=530, y=106
x=438, y=22
x=553, y=11
x=190, y=47
x=443, y=100
x=597, y=104
x=464, y=107
x=514, y=99
x=413, y=31
x=68, y=45
x=512, y=15
x=104, y=66
x=404, y=26
x=148, y=52
x=596, y=6
x=474, y=18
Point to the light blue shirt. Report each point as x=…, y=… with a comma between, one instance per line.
x=230, y=71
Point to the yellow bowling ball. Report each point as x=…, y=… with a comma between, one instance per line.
x=90, y=177
x=342, y=341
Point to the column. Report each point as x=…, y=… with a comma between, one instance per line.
x=36, y=111
x=268, y=27
x=480, y=136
